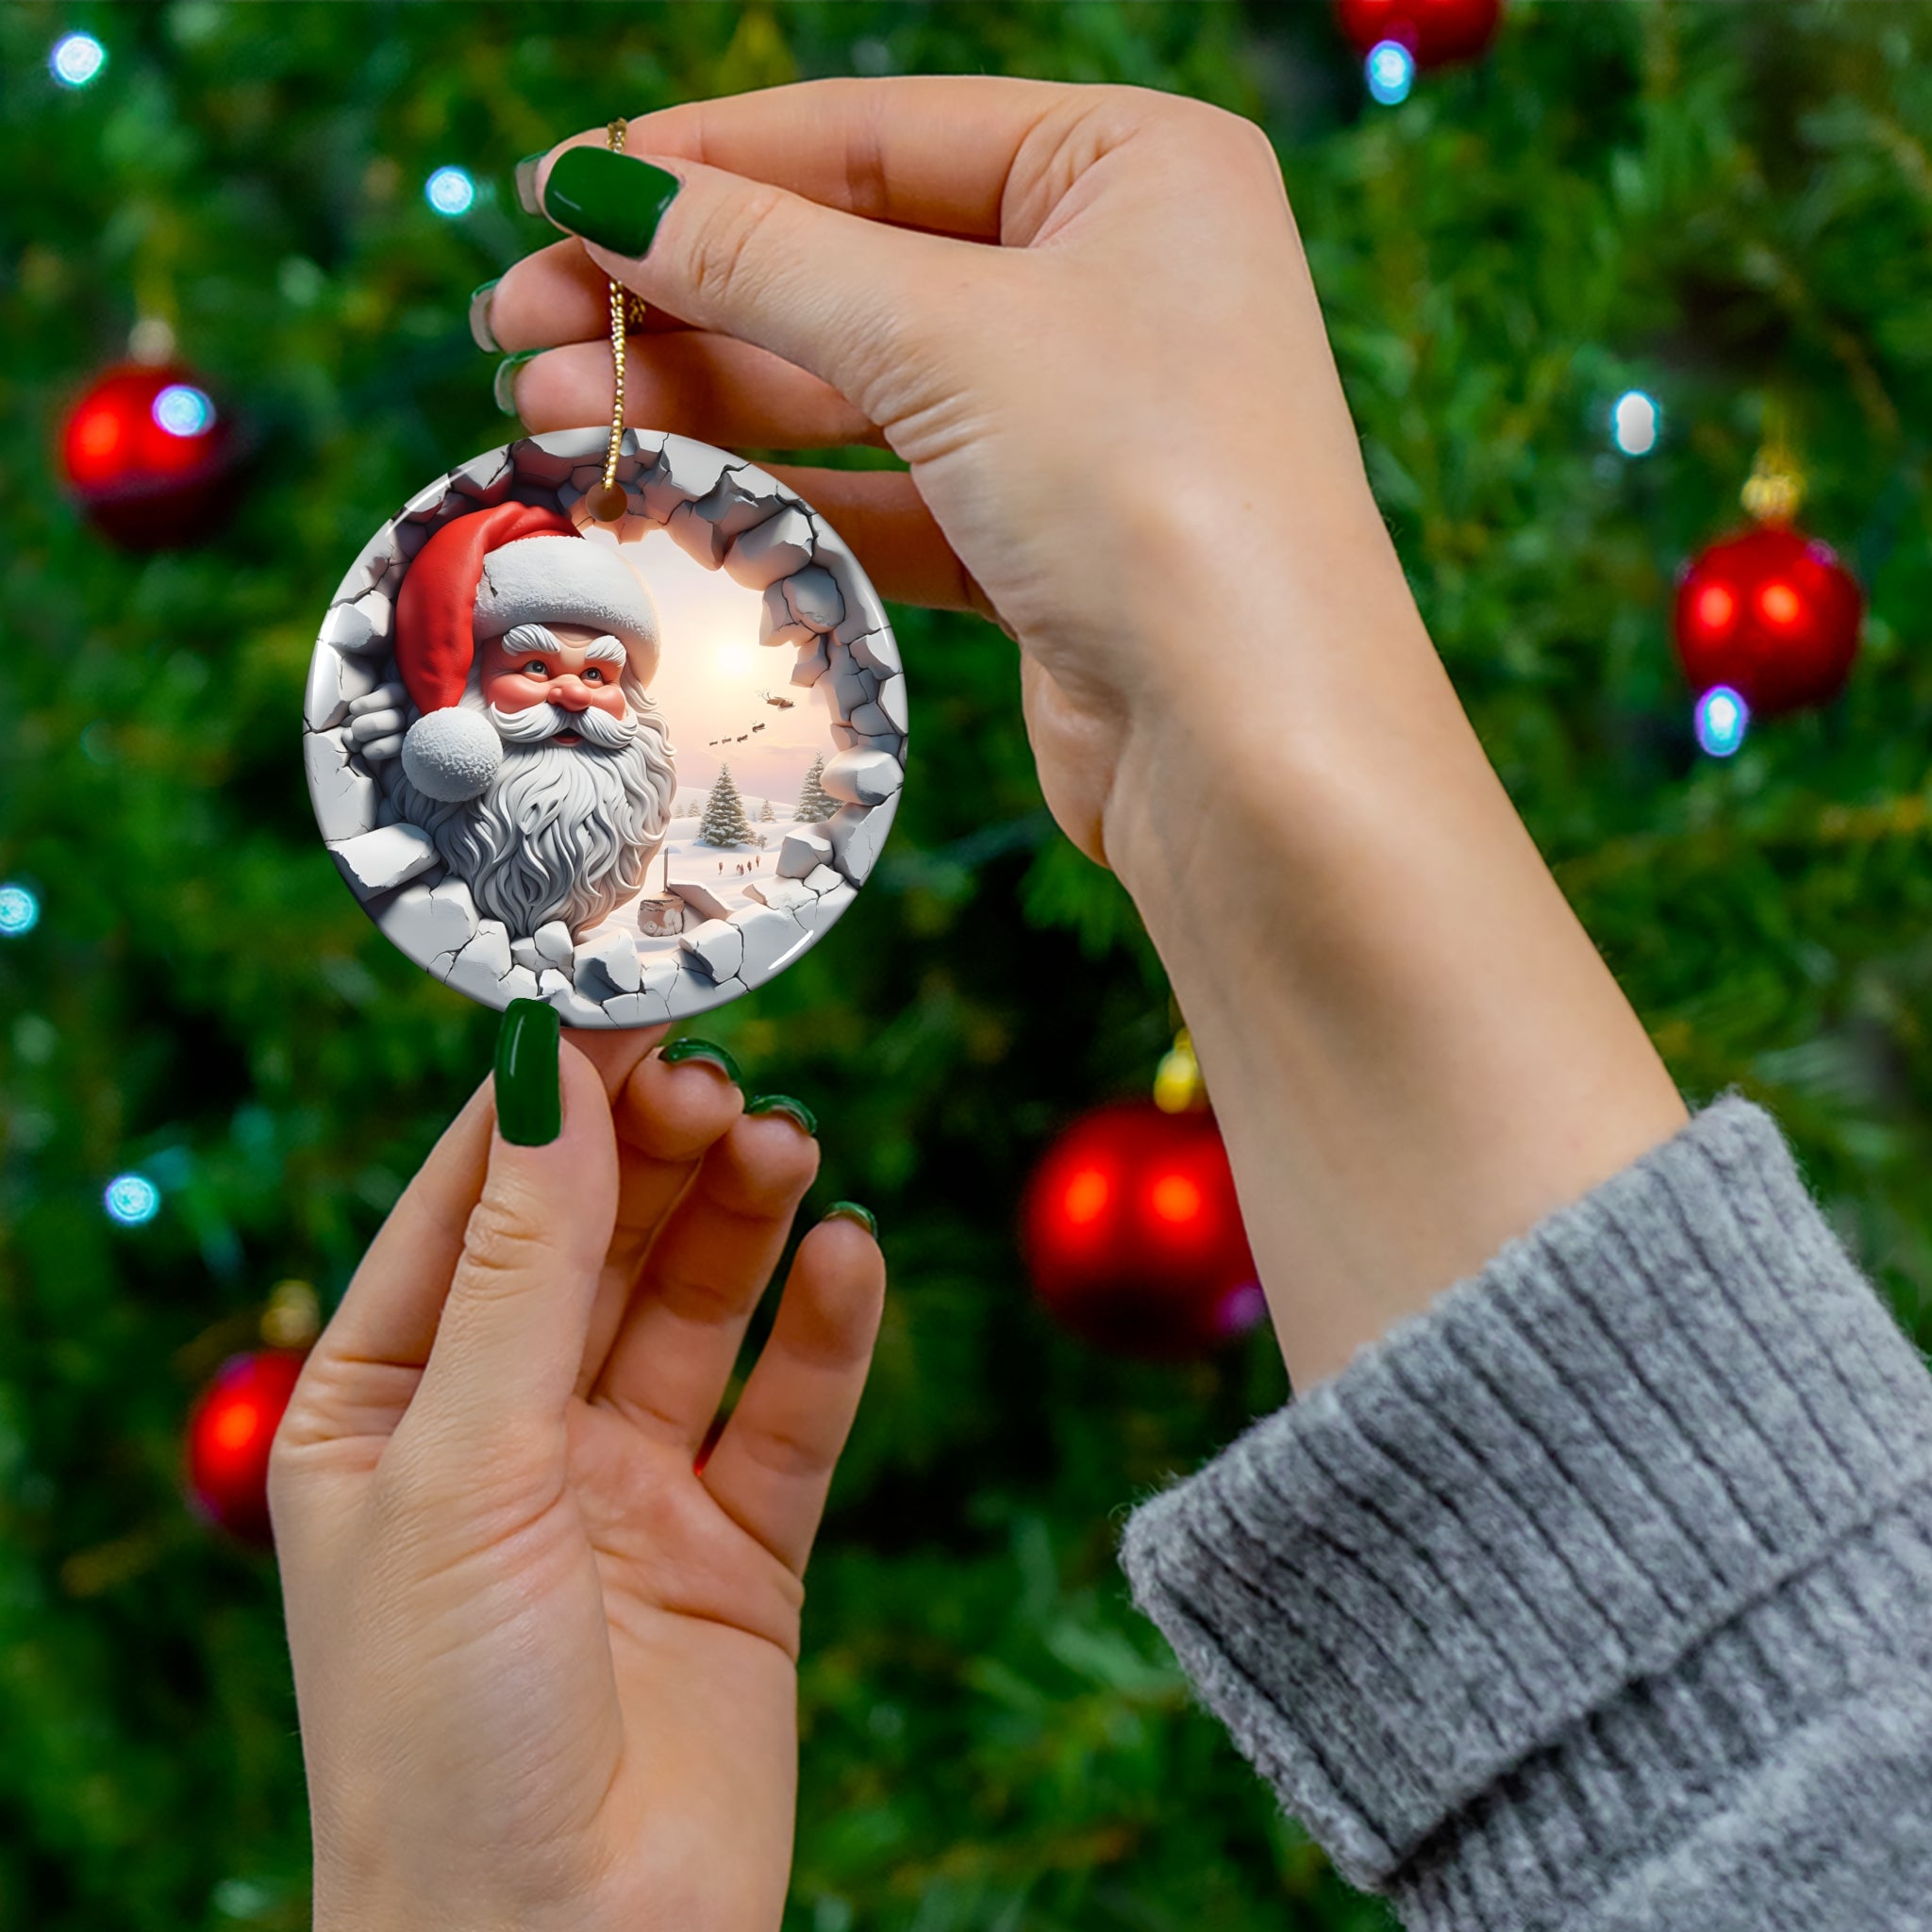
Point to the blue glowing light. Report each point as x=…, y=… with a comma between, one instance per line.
x=76, y=59
x=182, y=409
x=1390, y=71
x=1635, y=423
x=1723, y=718
x=20, y=911
x=450, y=191
x=132, y=1199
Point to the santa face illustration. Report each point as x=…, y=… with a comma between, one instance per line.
x=536, y=762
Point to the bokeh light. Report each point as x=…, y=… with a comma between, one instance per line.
x=132, y=1199
x=1391, y=72
x=76, y=59
x=1723, y=718
x=20, y=911
x=1636, y=423
x=450, y=191
x=182, y=409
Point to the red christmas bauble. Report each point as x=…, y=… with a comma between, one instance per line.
x=1133, y=1235
x=229, y=1433
x=149, y=457
x=1435, y=31
x=1773, y=614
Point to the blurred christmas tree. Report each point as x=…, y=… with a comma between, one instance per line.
x=1712, y=205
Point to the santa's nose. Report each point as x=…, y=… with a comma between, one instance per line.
x=569, y=694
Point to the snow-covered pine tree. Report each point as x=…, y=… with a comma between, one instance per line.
x=766, y=815
x=725, y=822
x=815, y=804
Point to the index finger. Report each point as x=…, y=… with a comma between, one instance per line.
x=917, y=151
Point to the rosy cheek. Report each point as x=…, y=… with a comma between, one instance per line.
x=511, y=691
x=607, y=697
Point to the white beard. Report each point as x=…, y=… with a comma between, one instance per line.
x=563, y=831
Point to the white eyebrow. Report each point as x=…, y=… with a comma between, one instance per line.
x=608, y=649
x=531, y=637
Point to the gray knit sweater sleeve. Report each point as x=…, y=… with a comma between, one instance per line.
x=1600, y=1596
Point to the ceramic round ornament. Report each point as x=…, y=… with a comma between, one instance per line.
x=633, y=764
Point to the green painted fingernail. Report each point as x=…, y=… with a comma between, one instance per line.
x=609, y=198
x=503, y=388
x=529, y=1087
x=851, y=1211
x=526, y=183
x=713, y=1055
x=481, y=331
x=792, y=1110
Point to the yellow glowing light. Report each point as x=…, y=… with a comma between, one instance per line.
x=733, y=661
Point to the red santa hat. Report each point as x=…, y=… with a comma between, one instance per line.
x=477, y=578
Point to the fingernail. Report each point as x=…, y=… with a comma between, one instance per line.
x=504, y=386
x=792, y=1110
x=851, y=1211
x=530, y=1095
x=681, y=1050
x=481, y=331
x=609, y=198
x=526, y=183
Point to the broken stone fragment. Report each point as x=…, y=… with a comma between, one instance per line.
x=716, y=948
x=335, y=681
x=649, y=1007
x=696, y=535
x=519, y=983
x=822, y=881
x=851, y=688
x=892, y=701
x=813, y=598
x=431, y=925
x=605, y=965
x=533, y=463
x=873, y=650
x=777, y=628
x=377, y=558
x=741, y=499
x=484, y=480
x=833, y=903
x=684, y=470
x=426, y=504
x=857, y=833
x=522, y=949
x=770, y=939
x=363, y=626
x=344, y=798
x=863, y=777
x=782, y=895
x=380, y=861
x=802, y=852
x=554, y=945
x=483, y=963
x=773, y=549
x=812, y=664
x=692, y=993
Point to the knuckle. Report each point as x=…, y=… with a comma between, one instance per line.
x=500, y=1249
x=725, y=252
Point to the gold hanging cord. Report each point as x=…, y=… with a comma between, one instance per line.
x=608, y=503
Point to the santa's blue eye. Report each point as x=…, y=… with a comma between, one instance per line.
x=591, y=674
x=536, y=668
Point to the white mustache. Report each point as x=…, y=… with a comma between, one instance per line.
x=535, y=722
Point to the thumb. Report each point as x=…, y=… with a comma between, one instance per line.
x=510, y=1340
x=845, y=298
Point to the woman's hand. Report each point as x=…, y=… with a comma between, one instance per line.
x=1083, y=317
x=1109, y=417
x=545, y=1665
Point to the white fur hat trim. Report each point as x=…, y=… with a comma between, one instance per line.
x=451, y=754
x=568, y=580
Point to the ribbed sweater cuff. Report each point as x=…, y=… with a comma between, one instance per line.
x=1569, y=1547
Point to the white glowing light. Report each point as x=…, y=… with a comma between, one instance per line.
x=1390, y=71
x=182, y=409
x=733, y=661
x=1635, y=423
x=450, y=191
x=76, y=59
x=1723, y=717
x=20, y=911
x=132, y=1199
